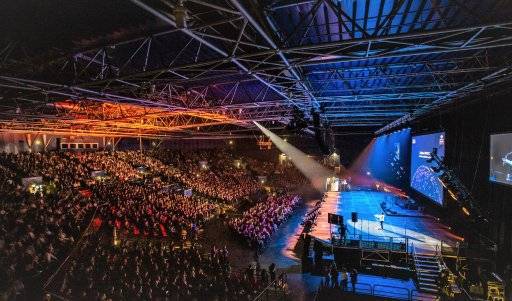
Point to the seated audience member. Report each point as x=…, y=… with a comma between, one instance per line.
x=258, y=223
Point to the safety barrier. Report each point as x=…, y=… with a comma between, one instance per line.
x=393, y=244
x=77, y=246
x=276, y=290
x=387, y=291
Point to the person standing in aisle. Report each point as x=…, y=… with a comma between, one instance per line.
x=344, y=279
x=353, y=279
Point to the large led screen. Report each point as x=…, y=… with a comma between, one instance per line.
x=501, y=158
x=423, y=177
x=387, y=158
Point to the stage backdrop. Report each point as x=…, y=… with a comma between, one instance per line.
x=386, y=159
x=501, y=158
x=423, y=178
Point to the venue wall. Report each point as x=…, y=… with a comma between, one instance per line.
x=17, y=143
x=191, y=144
x=468, y=128
x=13, y=143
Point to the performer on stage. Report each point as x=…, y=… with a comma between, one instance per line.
x=380, y=218
x=507, y=161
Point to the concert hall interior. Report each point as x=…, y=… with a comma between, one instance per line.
x=256, y=150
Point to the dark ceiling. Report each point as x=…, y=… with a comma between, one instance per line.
x=361, y=63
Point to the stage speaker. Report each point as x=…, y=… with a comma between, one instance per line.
x=334, y=219
x=354, y=217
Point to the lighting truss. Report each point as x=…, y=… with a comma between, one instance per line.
x=499, y=76
x=90, y=113
x=237, y=62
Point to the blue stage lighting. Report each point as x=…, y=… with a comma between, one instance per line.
x=388, y=158
x=424, y=178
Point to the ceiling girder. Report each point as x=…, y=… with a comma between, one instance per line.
x=416, y=72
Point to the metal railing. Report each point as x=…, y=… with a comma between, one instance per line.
x=389, y=291
x=276, y=290
x=74, y=249
x=385, y=291
x=394, y=244
x=418, y=296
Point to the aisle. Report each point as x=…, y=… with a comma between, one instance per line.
x=284, y=252
x=217, y=233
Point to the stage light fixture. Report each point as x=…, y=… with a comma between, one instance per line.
x=180, y=15
x=466, y=211
x=432, y=154
x=298, y=122
x=456, y=188
x=452, y=194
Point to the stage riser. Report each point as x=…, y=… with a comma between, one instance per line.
x=353, y=258
x=425, y=234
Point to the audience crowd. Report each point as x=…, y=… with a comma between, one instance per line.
x=143, y=197
x=151, y=210
x=283, y=176
x=287, y=178
x=258, y=223
x=219, y=177
x=309, y=221
x=155, y=271
x=38, y=230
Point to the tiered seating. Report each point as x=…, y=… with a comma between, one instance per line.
x=220, y=179
x=39, y=231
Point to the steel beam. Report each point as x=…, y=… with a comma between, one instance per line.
x=317, y=55
x=188, y=32
x=279, y=69
x=274, y=46
x=494, y=78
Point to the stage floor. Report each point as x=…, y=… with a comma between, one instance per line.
x=424, y=233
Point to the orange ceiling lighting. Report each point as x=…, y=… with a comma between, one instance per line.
x=81, y=118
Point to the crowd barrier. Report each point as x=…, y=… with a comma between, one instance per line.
x=385, y=291
x=276, y=290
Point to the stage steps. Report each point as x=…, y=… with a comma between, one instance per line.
x=428, y=270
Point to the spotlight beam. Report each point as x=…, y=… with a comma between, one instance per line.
x=314, y=171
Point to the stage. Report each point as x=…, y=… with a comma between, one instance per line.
x=422, y=233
